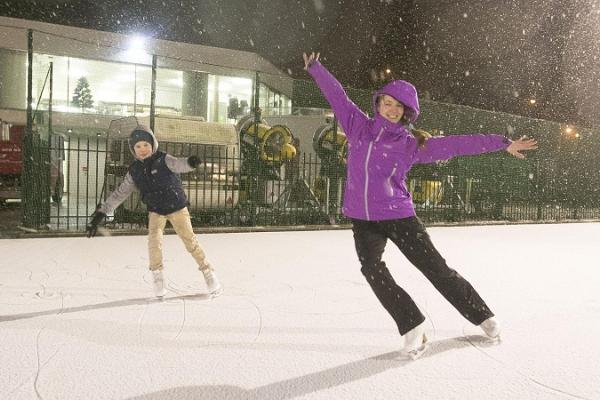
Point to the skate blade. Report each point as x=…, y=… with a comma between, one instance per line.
x=418, y=352
x=493, y=340
x=216, y=293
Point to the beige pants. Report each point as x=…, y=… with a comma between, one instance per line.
x=181, y=222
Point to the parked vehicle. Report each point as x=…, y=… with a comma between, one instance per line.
x=11, y=163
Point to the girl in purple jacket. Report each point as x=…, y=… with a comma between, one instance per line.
x=381, y=151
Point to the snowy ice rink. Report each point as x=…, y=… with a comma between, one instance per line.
x=297, y=320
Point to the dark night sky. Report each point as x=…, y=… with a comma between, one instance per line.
x=492, y=54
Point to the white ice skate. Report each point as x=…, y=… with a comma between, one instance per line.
x=158, y=282
x=212, y=282
x=491, y=327
x=415, y=342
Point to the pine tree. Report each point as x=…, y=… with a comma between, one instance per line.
x=82, y=96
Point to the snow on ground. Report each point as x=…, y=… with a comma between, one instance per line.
x=296, y=320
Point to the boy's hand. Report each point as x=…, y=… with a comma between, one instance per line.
x=92, y=227
x=194, y=161
x=309, y=59
x=522, y=144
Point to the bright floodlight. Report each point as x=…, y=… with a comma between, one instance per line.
x=137, y=43
x=136, y=51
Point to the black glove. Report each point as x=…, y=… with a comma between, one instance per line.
x=194, y=161
x=92, y=227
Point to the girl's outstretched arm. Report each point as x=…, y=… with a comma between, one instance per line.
x=445, y=147
x=347, y=113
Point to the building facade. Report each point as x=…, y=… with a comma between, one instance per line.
x=114, y=73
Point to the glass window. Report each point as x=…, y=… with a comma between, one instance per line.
x=236, y=93
x=263, y=98
x=91, y=86
x=169, y=91
x=228, y=98
x=274, y=103
x=111, y=86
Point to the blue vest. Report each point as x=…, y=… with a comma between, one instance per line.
x=160, y=187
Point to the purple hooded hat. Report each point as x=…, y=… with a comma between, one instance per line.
x=405, y=93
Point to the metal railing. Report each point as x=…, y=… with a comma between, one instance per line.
x=306, y=191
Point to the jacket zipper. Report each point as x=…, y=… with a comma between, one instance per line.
x=365, y=195
x=390, y=180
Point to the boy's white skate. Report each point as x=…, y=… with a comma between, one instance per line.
x=415, y=342
x=158, y=282
x=212, y=282
x=491, y=327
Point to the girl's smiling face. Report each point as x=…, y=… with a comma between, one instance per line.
x=390, y=108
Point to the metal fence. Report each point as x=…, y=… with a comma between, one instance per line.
x=307, y=191
x=243, y=187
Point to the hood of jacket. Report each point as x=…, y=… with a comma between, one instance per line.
x=405, y=93
x=147, y=130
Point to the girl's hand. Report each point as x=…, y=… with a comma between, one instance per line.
x=309, y=59
x=522, y=144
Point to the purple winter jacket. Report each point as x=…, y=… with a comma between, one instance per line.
x=380, y=153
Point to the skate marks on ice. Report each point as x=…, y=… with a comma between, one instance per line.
x=40, y=361
x=191, y=318
x=480, y=343
x=47, y=295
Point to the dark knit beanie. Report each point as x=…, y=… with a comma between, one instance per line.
x=139, y=135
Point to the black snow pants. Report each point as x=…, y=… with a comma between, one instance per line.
x=409, y=234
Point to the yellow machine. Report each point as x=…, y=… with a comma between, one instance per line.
x=330, y=144
x=426, y=192
x=269, y=167
x=274, y=143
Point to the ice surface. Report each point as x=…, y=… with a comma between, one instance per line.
x=296, y=320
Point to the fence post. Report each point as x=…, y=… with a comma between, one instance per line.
x=332, y=207
x=45, y=160
x=152, y=94
x=253, y=178
x=28, y=217
x=35, y=178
